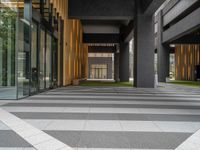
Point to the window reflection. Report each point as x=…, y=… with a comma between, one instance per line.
x=28, y=47
x=42, y=60
x=23, y=51
x=34, y=53
x=8, y=25
x=48, y=62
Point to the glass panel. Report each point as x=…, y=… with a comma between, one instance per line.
x=23, y=50
x=34, y=53
x=54, y=62
x=36, y=5
x=8, y=26
x=48, y=62
x=131, y=60
x=104, y=73
x=47, y=10
x=98, y=71
x=172, y=66
x=42, y=60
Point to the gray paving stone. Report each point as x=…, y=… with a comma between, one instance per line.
x=70, y=138
x=107, y=116
x=102, y=105
x=9, y=138
x=150, y=98
x=103, y=140
x=55, y=116
x=138, y=117
x=150, y=140
x=133, y=140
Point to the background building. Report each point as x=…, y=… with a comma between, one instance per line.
x=100, y=66
x=44, y=44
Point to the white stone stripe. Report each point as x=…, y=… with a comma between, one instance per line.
x=121, y=97
x=192, y=143
x=37, y=138
x=148, y=102
x=124, y=93
x=17, y=148
x=115, y=149
x=103, y=110
x=115, y=125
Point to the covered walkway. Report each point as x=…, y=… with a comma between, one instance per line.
x=108, y=117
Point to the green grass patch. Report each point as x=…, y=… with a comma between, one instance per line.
x=99, y=83
x=186, y=83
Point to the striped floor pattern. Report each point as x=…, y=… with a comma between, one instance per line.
x=106, y=118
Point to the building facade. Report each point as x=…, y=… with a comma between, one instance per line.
x=177, y=33
x=40, y=48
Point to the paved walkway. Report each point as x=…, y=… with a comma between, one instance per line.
x=104, y=118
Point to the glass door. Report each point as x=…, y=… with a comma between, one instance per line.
x=42, y=60
x=48, y=61
x=34, y=60
x=54, y=62
x=99, y=71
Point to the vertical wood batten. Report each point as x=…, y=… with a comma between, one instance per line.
x=74, y=66
x=186, y=58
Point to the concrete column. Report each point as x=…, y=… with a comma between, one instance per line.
x=163, y=51
x=143, y=49
x=116, y=66
x=124, y=62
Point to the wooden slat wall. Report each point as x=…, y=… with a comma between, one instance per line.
x=186, y=58
x=75, y=52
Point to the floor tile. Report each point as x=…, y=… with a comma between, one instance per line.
x=142, y=126
x=103, y=140
x=185, y=127
x=96, y=125
x=66, y=125
x=11, y=139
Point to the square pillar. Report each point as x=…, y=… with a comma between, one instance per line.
x=124, y=62
x=163, y=51
x=116, y=66
x=143, y=49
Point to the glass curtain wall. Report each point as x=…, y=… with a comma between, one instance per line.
x=28, y=48
x=8, y=45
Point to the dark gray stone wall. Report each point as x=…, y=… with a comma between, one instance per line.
x=116, y=66
x=175, y=9
x=185, y=26
x=101, y=49
x=101, y=60
x=163, y=51
x=124, y=62
x=101, y=9
x=101, y=38
x=143, y=50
